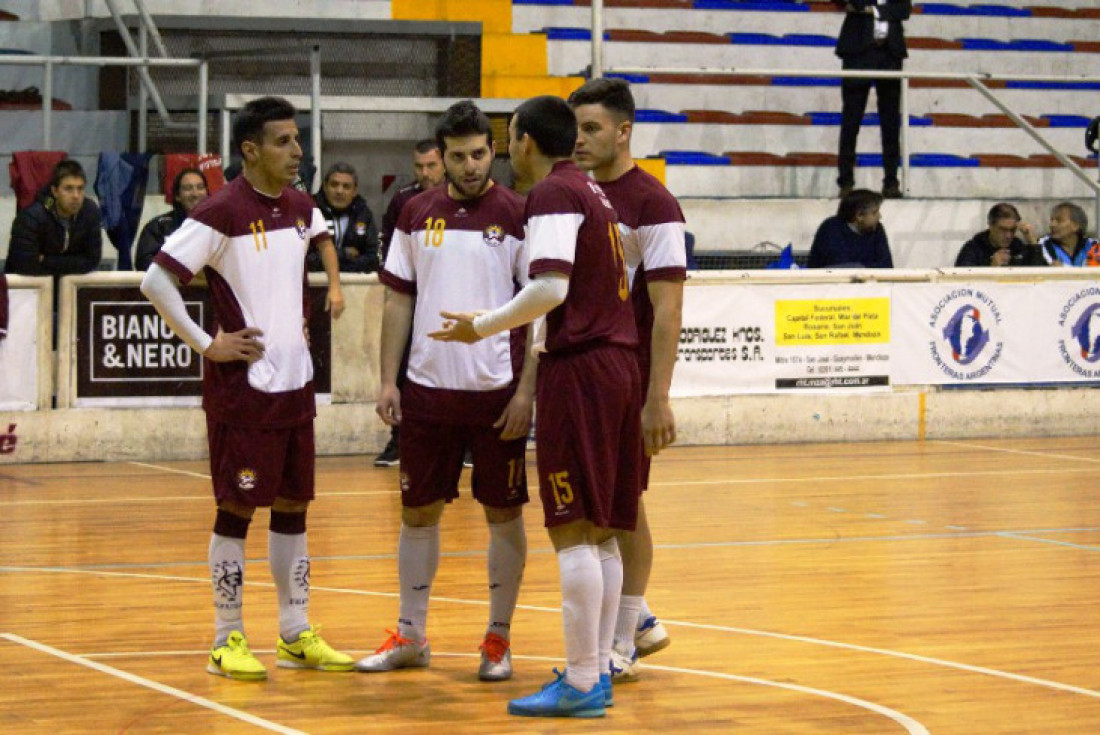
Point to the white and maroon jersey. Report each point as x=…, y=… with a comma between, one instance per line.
x=458, y=255
x=573, y=229
x=252, y=249
x=652, y=224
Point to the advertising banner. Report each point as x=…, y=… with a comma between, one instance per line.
x=996, y=333
x=19, y=353
x=126, y=355
x=780, y=338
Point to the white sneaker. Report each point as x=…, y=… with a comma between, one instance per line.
x=496, y=659
x=650, y=637
x=396, y=653
x=623, y=668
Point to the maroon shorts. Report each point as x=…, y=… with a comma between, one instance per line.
x=252, y=467
x=588, y=426
x=437, y=426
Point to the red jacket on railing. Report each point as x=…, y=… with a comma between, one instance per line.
x=31, y=172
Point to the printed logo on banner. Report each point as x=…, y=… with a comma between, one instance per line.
x=131, y=343
x=9, y=440
x=965, y=321
x=1079, y=340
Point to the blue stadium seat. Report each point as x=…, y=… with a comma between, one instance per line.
x=1033, y=44
x=809, y=39
x=693, y=158
x=755, y=39
x=1067, y=121
x=659, y=116
x=775, y=6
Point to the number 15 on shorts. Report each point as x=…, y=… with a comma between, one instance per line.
x=563, y=491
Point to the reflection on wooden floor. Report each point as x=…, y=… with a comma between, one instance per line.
x=943, y=587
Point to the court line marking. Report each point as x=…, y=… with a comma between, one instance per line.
x=888, y=652
x=890, y=476
x=1025, y=452
x=1019, y=535
x=154, y=685
x=686, y=483
x=911, y=725
x=700, y=626
x=1022, y=537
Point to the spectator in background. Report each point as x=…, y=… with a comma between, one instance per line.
x=429, y=172
x=999, y=246
x=854, y=237
x=349, y=220
x=871, y=38
x=60, y=234
x=189, y=189
x=1067, y=244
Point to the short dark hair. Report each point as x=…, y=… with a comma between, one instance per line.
x=249, y=122
x=461, y=120
x=857, y=202
x=614, y=94
x=426, y=145
x=1000, y=211
x=341, y=168
x=1075, y=213
x=66, y=168
x=551, y=124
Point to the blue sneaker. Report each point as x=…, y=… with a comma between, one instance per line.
x=558, y=699
x=605, y=684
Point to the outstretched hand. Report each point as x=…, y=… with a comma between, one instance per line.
x=457, y=327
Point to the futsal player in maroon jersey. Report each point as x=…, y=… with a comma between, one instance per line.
x=250, y=240
x=588, y=394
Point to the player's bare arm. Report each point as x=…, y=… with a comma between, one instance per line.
x=397, y=315
x=658, y=421
x=330, y=261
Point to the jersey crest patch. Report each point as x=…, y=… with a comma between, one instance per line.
x=300, y=226
x=360, y=228
x=246, y=479
x=493, y=236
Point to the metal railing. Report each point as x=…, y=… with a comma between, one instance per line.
x=975, y=80
x=50, y=62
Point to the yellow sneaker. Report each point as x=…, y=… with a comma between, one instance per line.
x=311, y=652
x=235, y=661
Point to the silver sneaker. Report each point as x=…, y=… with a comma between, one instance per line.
x=650, y=637
x=496, y=659
x=623, y=668
x=396, y=653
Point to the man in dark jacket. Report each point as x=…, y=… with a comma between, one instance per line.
x=999, y=245
x=854, y=237
x=871, y=38
x=429, y=172
x=350, y=222
x=60, y=233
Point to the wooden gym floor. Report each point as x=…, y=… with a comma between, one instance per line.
x=941, y=587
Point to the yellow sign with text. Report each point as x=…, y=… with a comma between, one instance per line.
x=805, y=322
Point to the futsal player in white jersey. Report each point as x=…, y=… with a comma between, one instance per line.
x=462, y=243
x=652, y=226
x=249, y=241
